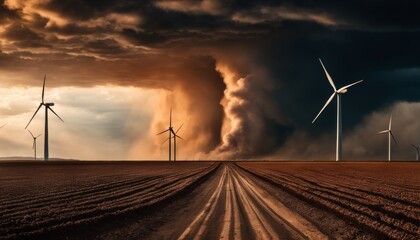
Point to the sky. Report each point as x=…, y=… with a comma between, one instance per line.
x=243, y=77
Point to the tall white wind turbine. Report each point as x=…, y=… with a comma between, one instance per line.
x=338, y=93
x=417, y=151
x=389, y=131
x=34, y=143
x=47, y=107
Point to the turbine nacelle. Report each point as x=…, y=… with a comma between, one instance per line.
x=336, y=91
x=342, y=91
x=49, y=104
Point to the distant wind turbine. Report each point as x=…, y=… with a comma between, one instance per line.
x=417, y=151
x=47, y=107
x=171, y=131
x=389, y=131
x=34, y=143
x=338, y=93
x=174, y=137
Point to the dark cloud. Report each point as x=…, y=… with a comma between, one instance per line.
x=72, y=29
x=104, y=46
x=79, y=10
x=360, y=15
x=23, y=37
x=253, y=64
x=7, y=14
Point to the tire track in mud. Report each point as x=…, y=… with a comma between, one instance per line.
x=246, y=212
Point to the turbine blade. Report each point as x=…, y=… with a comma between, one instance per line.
x=38, y=136
x=179, y=128
x=326, y=104
x=170, y=118
x=347, y=86
x=3, y=125
x=392, y=135
x=162, y=132
x=165, y=141
x=390, y=123
x=43, y=87
x=384, y=131
x=414, y=146
x=31, y=133
x=328, y=76
x=55, y=113
x=34, y=114
x=179, y=137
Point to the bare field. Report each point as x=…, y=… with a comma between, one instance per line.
x=41, y=197
x=381, y=197
x=209, y=200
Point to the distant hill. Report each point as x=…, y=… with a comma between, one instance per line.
x=17, y=158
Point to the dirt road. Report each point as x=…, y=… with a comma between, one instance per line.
x=235, y=207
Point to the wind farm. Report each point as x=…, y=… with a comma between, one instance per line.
x=209, y=119
x=274, y=195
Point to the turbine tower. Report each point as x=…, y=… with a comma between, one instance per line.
x=34, y=144
x=389, y=131
x=176, y=136
x=47, y=107
x=338, y=93
x=417, y=151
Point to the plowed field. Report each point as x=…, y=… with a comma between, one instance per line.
x=209, y=200
x=36, y=198
x=382, y=197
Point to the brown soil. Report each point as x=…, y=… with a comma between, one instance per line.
x=206, y=200
x=381, y=198
x=38, y=199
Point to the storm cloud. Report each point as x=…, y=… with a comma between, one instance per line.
x=245, y=74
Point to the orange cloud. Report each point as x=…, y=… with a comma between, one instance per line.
x=212, y=7
x=264, y=14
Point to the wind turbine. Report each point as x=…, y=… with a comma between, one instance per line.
x=171, y=131
x=176, y=136
x=417, y=151
x=47, y=107
x=338, y=93
x=34, y=144
x=389, y=131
